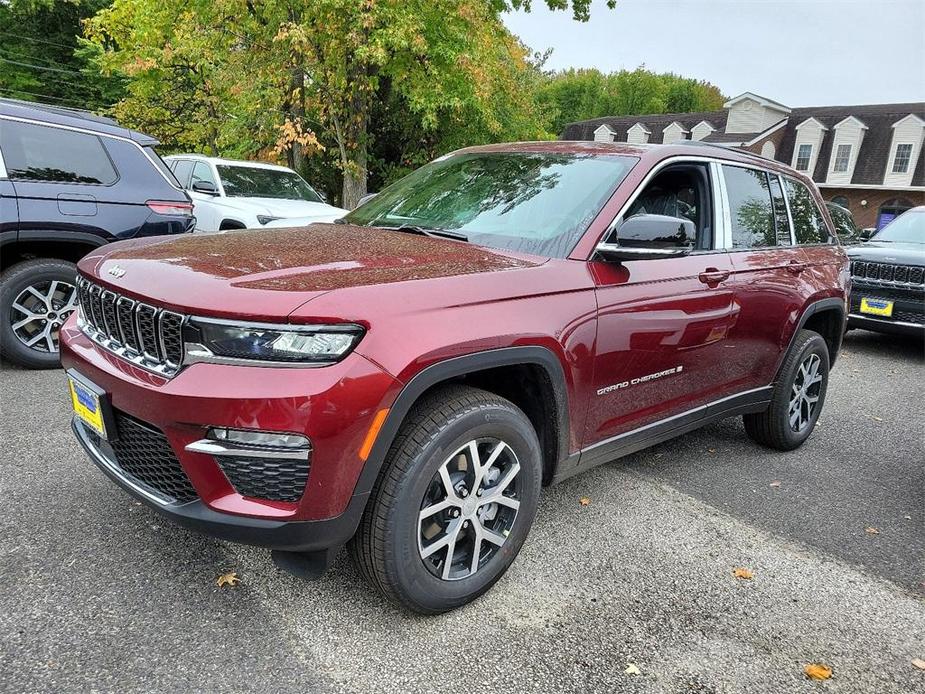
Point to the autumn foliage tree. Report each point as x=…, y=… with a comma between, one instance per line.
x=229, y=75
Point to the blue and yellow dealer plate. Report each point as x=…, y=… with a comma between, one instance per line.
x=877, y=307
x=87, y=406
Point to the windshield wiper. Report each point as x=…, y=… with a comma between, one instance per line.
x=426, y=231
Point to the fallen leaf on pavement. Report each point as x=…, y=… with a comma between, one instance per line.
x=743, y=573
x=818, y=671
x=584, y=501
x=228, y=579
x=631, y=669
x=871, y=530
x=919, y=663
x=711, y=450
x=775, y=483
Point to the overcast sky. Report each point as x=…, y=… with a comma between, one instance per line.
x=801, y=53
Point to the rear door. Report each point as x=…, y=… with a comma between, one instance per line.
x=663, y=324
x=61, y=178
x=9, y=211
x=770, y=275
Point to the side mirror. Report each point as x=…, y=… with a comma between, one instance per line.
x=366, y=198
x=651, y=236
x=206, y=187
x=866, y=234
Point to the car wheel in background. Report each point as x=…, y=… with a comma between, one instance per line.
x=36, y=297
x=798, y=396
x=454, y=502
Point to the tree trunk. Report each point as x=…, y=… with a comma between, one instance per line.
x=353, y=148
x=355, y=176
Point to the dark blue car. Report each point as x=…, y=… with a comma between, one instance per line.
x=69, y=182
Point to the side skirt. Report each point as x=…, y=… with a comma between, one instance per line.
x=756, y=400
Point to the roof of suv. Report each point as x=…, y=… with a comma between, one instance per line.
x=658, y=151
x=228, y=162
x=72, y=118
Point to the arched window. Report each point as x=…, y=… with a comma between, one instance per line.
x=890, y=210
x=841, y=201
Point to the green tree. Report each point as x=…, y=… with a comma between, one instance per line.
x=43, y=58
x=574, y=95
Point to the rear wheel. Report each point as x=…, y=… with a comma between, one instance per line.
x=454, y=502
x=36, y=297
x=798, y=396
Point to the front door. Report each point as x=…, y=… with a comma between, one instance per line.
x=663, y=325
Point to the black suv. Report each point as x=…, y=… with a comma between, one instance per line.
x=69, y=182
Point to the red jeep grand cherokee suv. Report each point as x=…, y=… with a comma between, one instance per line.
x=406, y=380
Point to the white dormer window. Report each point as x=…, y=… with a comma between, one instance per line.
x=905, y=150
x=701, y=130
x=806, y=148
x=638, y=134
x=674, y=132
x=804, y=156
x=846, y=146
x=604, y=133
x=902, y=158
x=842, y=158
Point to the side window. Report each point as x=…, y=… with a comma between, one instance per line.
x=750, y=209
x=781, y=219
x=808, y=223
x=182, y=171
x=40, y=153
x=679, y=191
x=202, y=172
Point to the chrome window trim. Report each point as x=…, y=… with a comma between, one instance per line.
x=783, y=190
x=717, y=168
x=677, y=159
x=96, y=133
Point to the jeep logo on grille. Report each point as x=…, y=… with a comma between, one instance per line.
x=116, y=271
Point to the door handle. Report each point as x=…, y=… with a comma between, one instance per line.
x=795, y=267
x=712, y=277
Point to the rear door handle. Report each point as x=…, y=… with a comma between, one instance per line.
x=795, y=267
x=712, y=277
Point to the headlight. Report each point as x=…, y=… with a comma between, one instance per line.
x=264, y=219
x=297, y=344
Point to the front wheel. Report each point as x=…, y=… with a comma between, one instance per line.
x=797, y=398
x=36, y=297
x=454, y=502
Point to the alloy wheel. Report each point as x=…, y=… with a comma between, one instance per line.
x=469, y=508
x=39, y=311
x=804, y=394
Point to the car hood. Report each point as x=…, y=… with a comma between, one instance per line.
x=288, y=209
x=897, y=253
x=266, y=274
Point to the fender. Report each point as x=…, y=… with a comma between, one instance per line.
x=460, y=366
x=83, y=237
x=813, y=308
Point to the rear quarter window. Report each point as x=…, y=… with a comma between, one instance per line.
x=161, y=165
x=41, y=153
x=809, y=226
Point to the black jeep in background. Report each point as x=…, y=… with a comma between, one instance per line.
x=69, y=182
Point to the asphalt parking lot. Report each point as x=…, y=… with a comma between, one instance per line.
x=99, y=593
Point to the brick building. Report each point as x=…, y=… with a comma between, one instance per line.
x=867, y=159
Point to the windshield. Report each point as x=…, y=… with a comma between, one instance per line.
x=254, y=182
x=907, y=228
x=534, y=202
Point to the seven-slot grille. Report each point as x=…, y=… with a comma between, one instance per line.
x=884, y=272
x=143, y=334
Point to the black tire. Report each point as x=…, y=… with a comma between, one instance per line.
x=772, y=428
x=14, y=281
x=385, y=547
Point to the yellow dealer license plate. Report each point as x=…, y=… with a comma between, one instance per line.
x=877, y=307
x=88, y=404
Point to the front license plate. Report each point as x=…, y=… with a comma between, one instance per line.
x=877, y=307
x=88, y=404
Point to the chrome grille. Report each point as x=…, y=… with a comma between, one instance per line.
x=886, y=273
x=145, y=335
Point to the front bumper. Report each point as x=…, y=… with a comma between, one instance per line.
x=908, y=307
x=291, y=536
x=333, y=406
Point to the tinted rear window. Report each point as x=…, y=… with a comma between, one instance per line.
x=161, y=164
x=808, y=224
x=41, y=153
